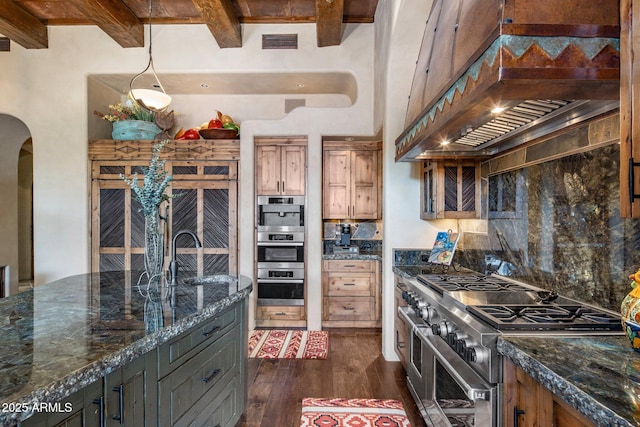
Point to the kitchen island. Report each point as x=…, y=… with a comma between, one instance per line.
x=599, y=376
x=85, y=332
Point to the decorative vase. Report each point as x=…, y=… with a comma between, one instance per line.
x=630, y=311
x=153, y=248
x=153, y=316
x=134, y=129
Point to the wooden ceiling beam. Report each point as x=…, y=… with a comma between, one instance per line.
x=114, y=18
x=329, y=15
x=221, y=21
x=22, y=27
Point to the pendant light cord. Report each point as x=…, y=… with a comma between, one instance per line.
x=149, y=64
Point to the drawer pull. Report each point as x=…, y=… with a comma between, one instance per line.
x=215, y=328
x=348, y=284
x=349, y=266
x=349, y=308
x=100, y=402
x=280, y=313
x=212, y=376
x=120, y=390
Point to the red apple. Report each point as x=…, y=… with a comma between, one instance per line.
x=215, y=124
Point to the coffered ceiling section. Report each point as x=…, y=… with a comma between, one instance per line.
x=26, y=21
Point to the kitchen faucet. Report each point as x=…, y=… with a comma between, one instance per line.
x=173, y=265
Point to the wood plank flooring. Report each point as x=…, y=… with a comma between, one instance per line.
x=354, y=368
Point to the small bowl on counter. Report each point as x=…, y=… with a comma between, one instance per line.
x=218, y=133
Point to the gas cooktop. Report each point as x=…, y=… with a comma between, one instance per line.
x=507, y=305
x=547, y=317
x=468, y=282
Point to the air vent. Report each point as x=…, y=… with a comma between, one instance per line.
x=510, y=121
x=5, y=44
x=279, y=41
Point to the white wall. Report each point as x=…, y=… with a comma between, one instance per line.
x=47, y=90
x=399, y=29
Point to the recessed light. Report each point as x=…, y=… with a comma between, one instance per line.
x=204, y=85
x=497, y=110
x=300, y=85
x=445, y=142
x=349, y=138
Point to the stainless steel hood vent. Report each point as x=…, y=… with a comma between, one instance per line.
x=510, y=121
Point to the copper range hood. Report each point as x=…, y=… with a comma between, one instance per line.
x=547, y=65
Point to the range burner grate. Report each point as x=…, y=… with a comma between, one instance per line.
x=547, y=317
x=468, y=282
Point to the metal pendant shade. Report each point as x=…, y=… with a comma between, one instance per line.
x=150, y=99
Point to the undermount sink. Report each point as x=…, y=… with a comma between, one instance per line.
x=214, y=279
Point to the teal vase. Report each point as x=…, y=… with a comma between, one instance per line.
x=134, y=129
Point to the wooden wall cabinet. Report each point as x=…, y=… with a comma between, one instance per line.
x=527, y=403
x=450, y=189
x=351, y=181
x=280, y=168
x=629, y=116
x=207, y=204
x=351, y=293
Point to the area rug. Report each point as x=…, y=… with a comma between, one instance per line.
x=353, y=412
x=288, y=344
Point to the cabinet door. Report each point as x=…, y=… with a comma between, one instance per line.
x=450, y=189
x=293, y=170
x=428, y=202
x=336, y=171
x=364, y=184
x=131, y=393
x=84, y=408
x=207, y=205
x=268, y=170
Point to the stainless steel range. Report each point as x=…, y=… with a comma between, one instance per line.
x=454, y=370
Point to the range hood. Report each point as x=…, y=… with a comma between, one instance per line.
x=538, y=68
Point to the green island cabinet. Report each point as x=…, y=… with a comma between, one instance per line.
x=198, y=378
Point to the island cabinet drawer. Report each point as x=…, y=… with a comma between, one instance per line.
x=172, y=353
x=349, y=265
x=349, y=284
x=285, y=312
x=349, y=308
x=199, y=379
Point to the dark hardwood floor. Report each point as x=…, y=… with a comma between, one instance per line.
x=354, y=368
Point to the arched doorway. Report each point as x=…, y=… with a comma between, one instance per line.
x=15, y=139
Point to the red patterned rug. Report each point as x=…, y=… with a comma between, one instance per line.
x=352, y=413
x=288, y=344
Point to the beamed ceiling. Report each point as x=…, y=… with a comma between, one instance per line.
x=25, y=22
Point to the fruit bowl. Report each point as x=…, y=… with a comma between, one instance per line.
x=217, y=133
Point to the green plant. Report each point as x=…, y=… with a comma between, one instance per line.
x=151, y=193
x=127, y=111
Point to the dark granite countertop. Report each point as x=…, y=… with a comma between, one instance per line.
x=57, y=338
x=376, y=256
x=597, y=375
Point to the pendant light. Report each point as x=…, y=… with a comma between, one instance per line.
x=150, y=99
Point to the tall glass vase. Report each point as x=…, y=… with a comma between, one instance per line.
x=153, y=247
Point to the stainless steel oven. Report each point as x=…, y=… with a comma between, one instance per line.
x=455, y=394
x=283, y=285
x=275, y=254
x=447, y=391
x=280, y=256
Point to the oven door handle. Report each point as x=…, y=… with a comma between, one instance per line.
x=280, y=243
x=282, y=280
x=473, y=385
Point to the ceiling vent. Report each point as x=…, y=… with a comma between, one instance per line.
x=279, y=41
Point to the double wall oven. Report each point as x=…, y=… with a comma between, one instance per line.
x=280, y=252
x=454, y=371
